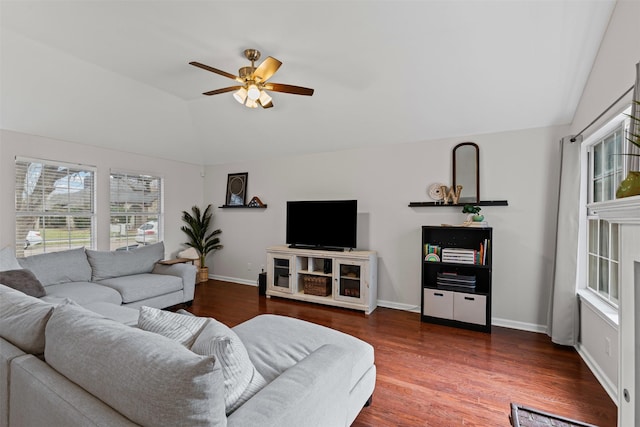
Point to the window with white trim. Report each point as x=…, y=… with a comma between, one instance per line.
x=136, y=210
x=607, y=167
x=54, y=206
x=603, y=259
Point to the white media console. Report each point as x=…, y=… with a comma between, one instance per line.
x=341, y=279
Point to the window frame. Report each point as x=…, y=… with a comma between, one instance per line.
x=53, y=245
x=591, y=213
x=127, y=235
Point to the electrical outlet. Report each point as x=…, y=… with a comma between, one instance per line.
x=607, y=346
x=249, y=266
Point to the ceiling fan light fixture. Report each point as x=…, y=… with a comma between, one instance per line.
x=241, y=95
x=251, y=80
x=253, y=93
x=265, y=99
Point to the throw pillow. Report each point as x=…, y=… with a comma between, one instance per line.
x=150, y=379
x=179, y=327
x=23, y=319
x=241, y=379
x=8, y=259
x=24, y=281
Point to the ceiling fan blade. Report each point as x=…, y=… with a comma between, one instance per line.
x=266, y=69
x=296, y=90
x=268, y=105
x=215, y=70
x=223, y=90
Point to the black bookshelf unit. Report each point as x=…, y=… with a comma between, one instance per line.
x=456, y=276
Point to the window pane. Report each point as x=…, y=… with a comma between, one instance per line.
x=613, y=285
x=609, y=151
x=603, y=277
x=593, y=236
x=607, y=188
x=604, y=239
x=597, y=160
x=597, y=191
x=593, y=272
x=614, y=242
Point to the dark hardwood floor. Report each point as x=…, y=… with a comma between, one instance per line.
x=430, y=375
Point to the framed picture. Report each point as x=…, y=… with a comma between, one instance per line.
x=237, y=189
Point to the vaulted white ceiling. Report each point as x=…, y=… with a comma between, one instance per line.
x=116, y=73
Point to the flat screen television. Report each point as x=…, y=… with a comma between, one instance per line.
x=322, y=224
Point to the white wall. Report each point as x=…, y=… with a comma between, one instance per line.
x=599, y=346
x=521, y=167
x=183, y=183
x=613, y=71
x=60, y=96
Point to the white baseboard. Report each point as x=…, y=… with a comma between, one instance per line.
x=609, y=387
x=234, y=280
x=399, y=306
x=522, y=326
x=530, y=327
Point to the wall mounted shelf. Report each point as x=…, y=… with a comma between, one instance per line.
x=442, y=205
x=242, y=207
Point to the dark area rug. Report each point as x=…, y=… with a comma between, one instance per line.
x=521, y=416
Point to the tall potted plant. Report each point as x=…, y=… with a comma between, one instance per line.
x=203, y=241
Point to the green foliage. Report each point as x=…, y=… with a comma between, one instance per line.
x=197, y=229
x=634, y=138
x=470, y=209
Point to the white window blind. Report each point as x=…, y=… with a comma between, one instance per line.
x=54, y=206
x=136, y=209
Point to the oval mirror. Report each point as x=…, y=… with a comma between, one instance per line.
x=466, y=171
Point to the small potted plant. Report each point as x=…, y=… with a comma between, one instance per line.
x=203, y=241
x=474, y=213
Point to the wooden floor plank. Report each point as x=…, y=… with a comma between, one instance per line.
x=431, y=375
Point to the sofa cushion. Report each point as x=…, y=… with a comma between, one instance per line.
x=84, y=292
x=8, y=259
x=119, y=313
x=142, y=286
x=23, y=319
x=275, y=343
x=59, y=267
x=108, y=264
x=241, y=379
x=24, y=281
x=148, y=378
x=178, y=327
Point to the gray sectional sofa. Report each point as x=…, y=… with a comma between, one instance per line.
x=66, y=364
x=63, y=365
x=130, y=278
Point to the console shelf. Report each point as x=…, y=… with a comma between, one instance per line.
x=457, y=293
x=442, y=205
x=341, y=279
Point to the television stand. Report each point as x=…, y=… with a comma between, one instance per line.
x=340, y=279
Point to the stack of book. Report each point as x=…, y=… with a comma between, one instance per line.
x=455, y=281
x=459, y=255
x=432, y=249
